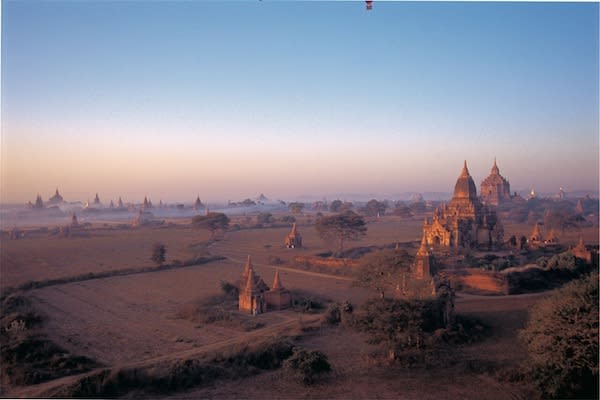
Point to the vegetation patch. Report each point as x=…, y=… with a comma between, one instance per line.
x=236, y=363
x=28, y=357
x=308, y=302
x=561, y=337
x=221, y=310
x=550, y=273
x=307, y=366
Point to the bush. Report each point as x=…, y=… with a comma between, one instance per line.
x=307, y=366
x=230, y=290
x=561, y=337
x=402, y=324
x=159, y=251
x=333, y=316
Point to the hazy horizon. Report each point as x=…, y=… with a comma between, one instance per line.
x=227, y=100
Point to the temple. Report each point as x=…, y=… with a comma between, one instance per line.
x=495, y=189
x=56, y=199
x=536, y=237
x=464, y=222
x=278, y=298
x=581, y=252
x=255, y=296
x=198, y=204
x=293, y=239
x=423, y=265
x=251, y=298
x=74, y=222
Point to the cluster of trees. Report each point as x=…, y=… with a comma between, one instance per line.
x=296, y=207
x=375, y=208
x=337, y=206
x=564, y=260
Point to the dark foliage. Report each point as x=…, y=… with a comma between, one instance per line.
x=230, y=290
x=307, y=365
x=561, y=337
x=28, y=357
x=401, y=322
x=181, y=375
x=159, y=251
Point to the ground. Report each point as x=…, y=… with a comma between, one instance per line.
x=135, y=320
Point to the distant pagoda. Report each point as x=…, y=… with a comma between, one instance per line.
x=56, y=199
x=495, y=189
x=293, y=239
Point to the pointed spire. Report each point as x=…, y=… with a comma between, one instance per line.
x=276, y=280
x=247, y=267
x=495, y=169
x=465, y=171
x=250, y=281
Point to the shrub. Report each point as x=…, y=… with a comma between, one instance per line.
x=230, y=290
x=402, y=324
x=333, y=315
x=159, y=251
x=561, y=337
x=307, y=366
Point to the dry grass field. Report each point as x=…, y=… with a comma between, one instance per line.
x=41, y=258
x=133, y=319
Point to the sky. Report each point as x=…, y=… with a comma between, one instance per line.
x=230, y=99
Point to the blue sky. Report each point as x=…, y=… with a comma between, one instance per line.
x=231, y=99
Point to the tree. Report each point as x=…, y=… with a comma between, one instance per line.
x=307, y=365
x=341, y=227
x=159, y=251
x=288, y=219
x=335, y=206
x=264, y=218
x=374, y=208
x=383, y=270
x=215, y=222
x=561, y=337
x=296, y=207
x=401, y=323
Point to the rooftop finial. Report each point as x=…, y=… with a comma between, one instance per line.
x=495, y=169
x=465, y=171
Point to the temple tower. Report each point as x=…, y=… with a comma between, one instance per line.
x=293, y=239
x=278, y=298
x=422, y=267
x=495, y=189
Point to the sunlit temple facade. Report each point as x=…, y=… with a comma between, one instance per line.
x=464, y=222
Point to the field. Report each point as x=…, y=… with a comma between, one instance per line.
x=135, y=320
